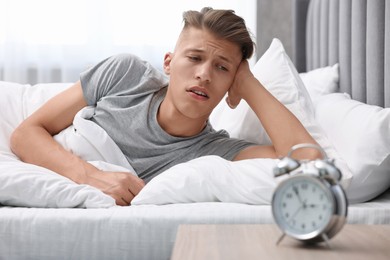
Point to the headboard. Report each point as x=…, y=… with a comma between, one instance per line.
x=353, y=33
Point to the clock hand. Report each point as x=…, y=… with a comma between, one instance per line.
x=295, y=189
x=296, y=212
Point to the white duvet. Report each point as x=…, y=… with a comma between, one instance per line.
x=205, y=179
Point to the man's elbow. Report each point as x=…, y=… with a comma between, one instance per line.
x=16, y=140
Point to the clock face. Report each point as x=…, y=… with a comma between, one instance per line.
x=303, y=206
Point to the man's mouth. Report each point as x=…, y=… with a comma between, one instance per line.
x=199, y=93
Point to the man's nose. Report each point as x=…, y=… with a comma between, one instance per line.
x=203, y=72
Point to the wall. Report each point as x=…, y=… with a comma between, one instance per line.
x=274, y=19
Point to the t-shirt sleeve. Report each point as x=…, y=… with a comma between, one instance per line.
x=118, y=75
x=219, y=143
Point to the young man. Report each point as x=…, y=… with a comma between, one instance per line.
x=159, y=123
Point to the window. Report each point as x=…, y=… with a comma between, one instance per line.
x=70, y=35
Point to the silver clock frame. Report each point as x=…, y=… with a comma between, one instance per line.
x=338, y=216
x=326, y=175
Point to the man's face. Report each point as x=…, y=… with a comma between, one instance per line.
x=201, y=70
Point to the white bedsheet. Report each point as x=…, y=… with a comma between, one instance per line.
x=136, y=232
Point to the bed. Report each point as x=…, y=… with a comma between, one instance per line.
x=337, y=83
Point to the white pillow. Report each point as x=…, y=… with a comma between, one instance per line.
x=17, y=101
x=278, y=74
x=10, y=116
x=361, y=134
x=321, y=81
x=35, y=96
x=212, y=178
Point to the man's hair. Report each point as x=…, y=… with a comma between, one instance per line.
x=224, y=24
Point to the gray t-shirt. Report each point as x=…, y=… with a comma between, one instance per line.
x=127, y=93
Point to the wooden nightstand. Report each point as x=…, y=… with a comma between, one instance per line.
x=259, y=242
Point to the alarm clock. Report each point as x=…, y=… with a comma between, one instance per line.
x=309, y=205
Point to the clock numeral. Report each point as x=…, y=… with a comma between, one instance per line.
x=284, y=205
x=303, y=226
x=313, y=224
x=287, y=215
x=289, y=195
x=304, y=186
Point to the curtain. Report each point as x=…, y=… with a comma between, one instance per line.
x=54, y=40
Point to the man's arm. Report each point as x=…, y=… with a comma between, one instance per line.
x=283, y=128
x=32, y=141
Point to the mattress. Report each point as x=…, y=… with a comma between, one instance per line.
x=136, y=232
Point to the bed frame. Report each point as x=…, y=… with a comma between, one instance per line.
x=353, y=33
x=330, y=33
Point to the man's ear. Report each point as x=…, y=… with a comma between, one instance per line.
x=167, y=63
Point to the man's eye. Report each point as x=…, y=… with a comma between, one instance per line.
x=194, y=58
x=220, y=67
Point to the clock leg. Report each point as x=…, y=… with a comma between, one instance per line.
x=326, y=240
x=280, y=238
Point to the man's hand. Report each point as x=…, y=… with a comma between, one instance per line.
x=122, y=186
x=240, y=87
